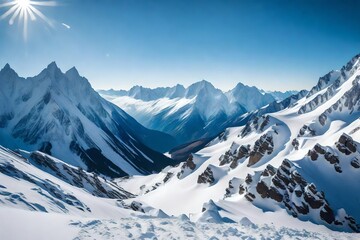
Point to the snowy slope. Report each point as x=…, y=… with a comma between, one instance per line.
x=69, y=227
x=26, y=187
x=60, y=114
x=39, y=189
x=189, y=114
x=300, y=163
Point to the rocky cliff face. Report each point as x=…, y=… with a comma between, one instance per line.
x=349, y=103
x=331, y=82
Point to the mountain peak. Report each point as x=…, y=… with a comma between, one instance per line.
x=356, y=57
x=201, y=84
x=239, y=85
x=179, y=86
x=194, y=89
x=7, y=67
x=352, y=65
x=52, y=65
x=205, y=83
x=53, y=68
x=7, y=70
x=73, y=72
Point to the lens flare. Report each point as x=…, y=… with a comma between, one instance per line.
x=23, y=10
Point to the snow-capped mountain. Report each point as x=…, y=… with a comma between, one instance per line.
x=292, y=166
x=298, y=163
x=197, y=112
x=278, y=95
x=270, y=108
x=250, y=97
x=147, y=94
x=60, y=114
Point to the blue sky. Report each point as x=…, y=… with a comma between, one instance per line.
x=274, y=45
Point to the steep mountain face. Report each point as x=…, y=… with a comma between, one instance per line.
x=61, y=115
x=200, y=111
x=197, y=112
x=250, y=97
x=296, y=159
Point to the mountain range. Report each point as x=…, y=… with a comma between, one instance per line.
x=289, y=168
x=298, y=162
x=61, y=115
x=200, y=111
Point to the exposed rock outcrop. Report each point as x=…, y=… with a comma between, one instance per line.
x=189, y=165
x=306, y=131
x=264, y=145
x=257, y=124
x=92, y=182
x=287, y=188
x=346, y=144
x=295, y=143
x=355, y=163
x=206, y=177
x=234, y=154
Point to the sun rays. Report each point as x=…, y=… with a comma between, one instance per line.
x=25, y=10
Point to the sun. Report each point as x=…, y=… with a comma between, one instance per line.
x=23, y=3
x=23, y=10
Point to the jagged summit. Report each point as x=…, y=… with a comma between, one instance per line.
x=8, y=81
x=6, y=67
x=250, y=97
x=62, y=115
x=8, y=70
x=72, y=72
x=53, y=69
x=201, y=86
x=52, y=65
x=354, y=61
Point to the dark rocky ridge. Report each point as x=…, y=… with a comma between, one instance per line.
x=92, y=182
x=207, y=176
x=286, y=183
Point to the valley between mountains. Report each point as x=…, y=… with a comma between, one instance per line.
x=179, y=162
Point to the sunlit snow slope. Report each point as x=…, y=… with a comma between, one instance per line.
x=42, y=197
x=302, y=162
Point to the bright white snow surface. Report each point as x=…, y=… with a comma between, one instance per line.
x=28, y=210
x=21, y=224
